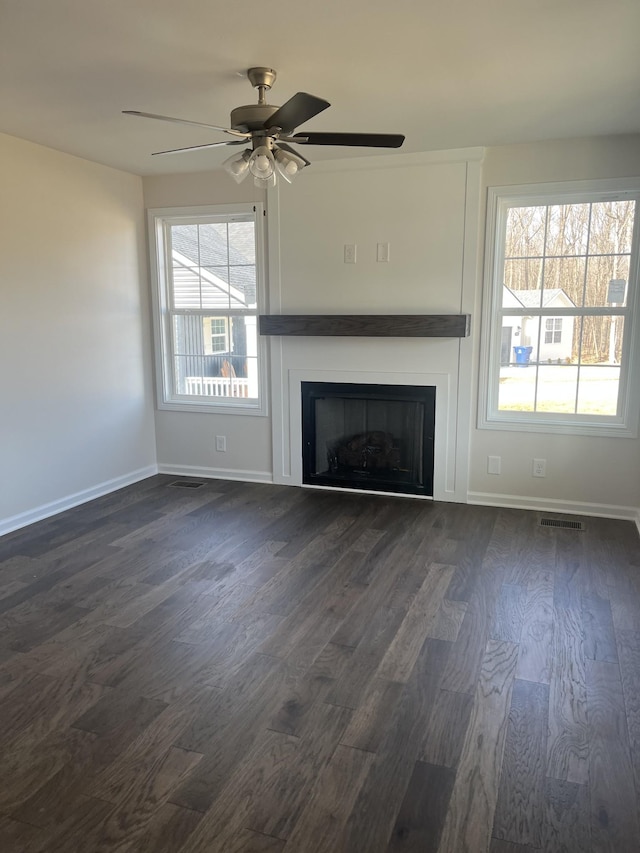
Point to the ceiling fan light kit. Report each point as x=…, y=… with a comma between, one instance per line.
x=288, y=164
x=262, y=166
x=237, y=165
x=269, y=129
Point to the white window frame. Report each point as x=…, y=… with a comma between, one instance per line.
x=159, y=220
x=499, y=200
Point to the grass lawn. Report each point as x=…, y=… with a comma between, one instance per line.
x=557, y=385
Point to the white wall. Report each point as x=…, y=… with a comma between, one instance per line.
x=186, y=440
x=601, y=475
x=76, y=410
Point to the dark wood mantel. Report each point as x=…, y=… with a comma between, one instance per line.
x=368, y=325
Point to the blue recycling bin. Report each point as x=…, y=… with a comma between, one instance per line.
x=523, y=355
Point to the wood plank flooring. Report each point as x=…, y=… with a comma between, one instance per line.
x=246, y=668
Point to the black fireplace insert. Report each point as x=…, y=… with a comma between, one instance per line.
x=371, y=437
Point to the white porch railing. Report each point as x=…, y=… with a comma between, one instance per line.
x=217, y=386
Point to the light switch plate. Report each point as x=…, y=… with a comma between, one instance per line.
x=382, y=255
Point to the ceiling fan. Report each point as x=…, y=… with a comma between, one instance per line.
x=269, y=129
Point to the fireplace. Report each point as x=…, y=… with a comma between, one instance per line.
x=371, y=437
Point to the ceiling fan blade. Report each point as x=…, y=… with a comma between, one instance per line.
x=298, y=109
x=185, y=121
x=368, y=140
x=293, y=151
x=201, y=147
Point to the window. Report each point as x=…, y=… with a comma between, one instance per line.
x=560, y=304
x=217, y=335
x=553, y=330
x=209, y=271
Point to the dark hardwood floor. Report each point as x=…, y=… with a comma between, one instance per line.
x=249, y=668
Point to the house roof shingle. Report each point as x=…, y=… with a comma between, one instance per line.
x=531, y=298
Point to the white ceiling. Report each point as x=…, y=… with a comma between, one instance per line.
x=447, y=75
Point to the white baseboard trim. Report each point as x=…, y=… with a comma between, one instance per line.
x=554, y=505
x=15, y=522
x=216, y=473
x=23, y=519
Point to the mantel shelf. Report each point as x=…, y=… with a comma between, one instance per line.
x=367, y=325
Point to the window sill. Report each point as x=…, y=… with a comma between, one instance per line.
x=596, y=429
x=227, y=408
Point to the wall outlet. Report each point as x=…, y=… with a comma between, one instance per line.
x=221, y=443
x=539, y=468
x=493, y=464
x=350, y=253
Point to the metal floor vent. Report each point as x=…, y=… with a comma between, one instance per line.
x=562, y=523
x=186, y=484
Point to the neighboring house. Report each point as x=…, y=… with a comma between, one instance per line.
x=554, y=334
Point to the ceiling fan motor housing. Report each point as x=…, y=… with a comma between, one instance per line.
x=252, y=116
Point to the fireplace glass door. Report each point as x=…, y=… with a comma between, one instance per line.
x=371, y=437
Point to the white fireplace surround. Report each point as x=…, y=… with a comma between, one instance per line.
x=287, y=423
x=428, y=205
